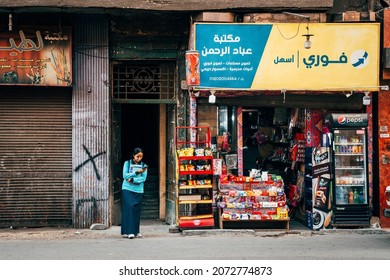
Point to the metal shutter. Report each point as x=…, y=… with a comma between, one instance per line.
x=35, y=157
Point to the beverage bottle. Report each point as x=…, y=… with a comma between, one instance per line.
x=345, y=196
x=361, y=197
x=350, y=196
x=339, y=196
x=355, y=196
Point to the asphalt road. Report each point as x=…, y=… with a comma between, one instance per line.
x=335, y=245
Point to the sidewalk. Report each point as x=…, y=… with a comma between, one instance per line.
x=157, y=228
x=149, y=228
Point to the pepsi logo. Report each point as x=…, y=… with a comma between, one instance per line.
x=342, y=120
x=349, y=119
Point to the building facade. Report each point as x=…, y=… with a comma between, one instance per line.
x=65, y=143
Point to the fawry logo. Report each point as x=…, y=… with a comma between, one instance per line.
x=345, y=120
x=359, y=59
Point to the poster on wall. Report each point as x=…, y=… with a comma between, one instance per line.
x=39, y=56
x=274, y=56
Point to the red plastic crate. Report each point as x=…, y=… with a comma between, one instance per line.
x=196, y=223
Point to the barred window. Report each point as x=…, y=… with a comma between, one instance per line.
x=143, y=80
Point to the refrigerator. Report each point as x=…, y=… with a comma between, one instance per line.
x=350, y=204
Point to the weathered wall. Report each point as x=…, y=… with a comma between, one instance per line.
x=384, y=151
x=384, y=130
x=91, y=107
x=174, y=5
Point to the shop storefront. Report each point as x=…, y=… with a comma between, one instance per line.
x=274, y=93
x=36, y=126
x=55, y=153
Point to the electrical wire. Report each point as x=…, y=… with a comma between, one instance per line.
x=295, y=35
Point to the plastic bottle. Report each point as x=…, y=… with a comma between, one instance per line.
x=339, y=196
x=350, y=196
x=356, y=196
x=361, y=197
x=344, y=196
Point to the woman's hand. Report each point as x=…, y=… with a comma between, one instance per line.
x=142, y=170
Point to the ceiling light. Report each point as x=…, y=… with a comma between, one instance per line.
x=212, y=97
x=307, y=43
x=366, y=98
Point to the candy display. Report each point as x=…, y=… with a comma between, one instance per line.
x=195, y=195
x=246, y=199
x=185, y=152
x=189, y=152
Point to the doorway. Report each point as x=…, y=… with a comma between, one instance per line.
x=140, y=128
x=136, y=125
x=141, y=92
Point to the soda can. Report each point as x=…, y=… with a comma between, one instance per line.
x=192, y=68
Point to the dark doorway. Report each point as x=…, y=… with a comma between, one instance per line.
x=140, y=128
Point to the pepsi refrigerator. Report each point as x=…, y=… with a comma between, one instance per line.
x=350, y=205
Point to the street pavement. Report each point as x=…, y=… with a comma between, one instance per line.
x=164, y=242
x=158, y=228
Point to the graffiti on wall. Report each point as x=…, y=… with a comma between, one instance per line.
x=90, y=159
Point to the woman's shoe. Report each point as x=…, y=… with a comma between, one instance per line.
x=131, y=236
x=139, y=235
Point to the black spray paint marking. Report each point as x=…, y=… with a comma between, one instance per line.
x=90, y=159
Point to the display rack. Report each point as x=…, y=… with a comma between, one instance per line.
x=195, y=177
x=252, y=204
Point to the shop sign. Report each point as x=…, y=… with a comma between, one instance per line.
x=342, y=56
x=349, y=120
x=40, y=56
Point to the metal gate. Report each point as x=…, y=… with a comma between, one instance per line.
x=35, y=157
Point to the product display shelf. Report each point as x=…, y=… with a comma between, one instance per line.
x=255, y=204
x=195, y=178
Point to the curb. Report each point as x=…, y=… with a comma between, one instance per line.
x=218, y=232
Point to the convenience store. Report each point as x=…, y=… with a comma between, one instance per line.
x=269, y=94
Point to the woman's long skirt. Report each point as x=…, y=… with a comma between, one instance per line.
x=131, y=212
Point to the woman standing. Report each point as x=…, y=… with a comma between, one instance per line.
x=134, y=177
